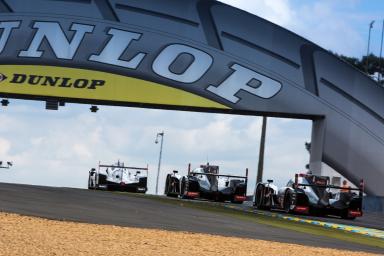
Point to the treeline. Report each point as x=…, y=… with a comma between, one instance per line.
x=374, y=65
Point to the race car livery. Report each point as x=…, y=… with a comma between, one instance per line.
x=205, y=182
x=118, y=178
x=311, y=194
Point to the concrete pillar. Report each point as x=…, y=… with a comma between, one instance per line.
x=317, y=146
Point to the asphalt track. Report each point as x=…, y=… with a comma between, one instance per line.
x=123, y=210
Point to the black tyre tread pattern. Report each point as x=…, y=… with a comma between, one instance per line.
x=208, y=21
x=194, y=14
x=186, y=13
x=4, y=7
x=106, y=10
x=212, y=23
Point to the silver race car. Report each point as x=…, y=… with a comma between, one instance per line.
x=118, y=178
x=311, y=194
x=206, y=182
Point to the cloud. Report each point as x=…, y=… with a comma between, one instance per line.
x=332, y=28
x=330, y=24
x=5, y=145
x=82, y=150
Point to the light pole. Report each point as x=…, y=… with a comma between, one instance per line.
x=260, y=167
x=369, y=42
x=160, y=134
x=381, y=69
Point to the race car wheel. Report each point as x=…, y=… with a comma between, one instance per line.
x=344, y=215
x=92, y=182
x=259, y=196
x=166, y=190
x=89, y=183
x=170, y=189
x=236, y=202
x=287, y=201
x=183, y=189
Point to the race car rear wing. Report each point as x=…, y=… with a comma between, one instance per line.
x=219, y=175
x=123, y=167
x=360, y=188
x=9, y=165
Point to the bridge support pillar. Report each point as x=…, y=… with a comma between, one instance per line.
x=317, y=146
x=373, y=204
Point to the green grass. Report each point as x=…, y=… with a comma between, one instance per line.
x=270, y=221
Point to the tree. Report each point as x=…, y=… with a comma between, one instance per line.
x=375, y=64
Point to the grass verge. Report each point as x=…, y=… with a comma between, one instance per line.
x=270, y=221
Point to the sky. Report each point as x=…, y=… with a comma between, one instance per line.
x=338, y=25
x=58, y=148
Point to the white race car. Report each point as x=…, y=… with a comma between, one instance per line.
x=118, y=178
x=206, y=182
x=311, y=194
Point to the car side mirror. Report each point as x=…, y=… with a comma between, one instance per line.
x=175, y=172
x=270, y=181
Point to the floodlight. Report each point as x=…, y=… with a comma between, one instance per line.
x=4, y=102
x=94, y=109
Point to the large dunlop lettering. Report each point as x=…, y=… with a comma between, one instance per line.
x=112, y=52
x=247, y=80
x=118, y=44
x=200, y=65
x=56, y=39
x=7, y=28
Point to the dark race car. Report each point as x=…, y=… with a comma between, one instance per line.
x=118, y=178
x=206, y=182
x=311, y=194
